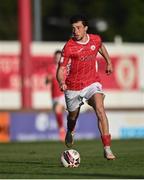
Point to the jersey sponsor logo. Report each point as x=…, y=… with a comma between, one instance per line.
x=80, y=50
x=86, y=58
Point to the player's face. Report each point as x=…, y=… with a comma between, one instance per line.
x=79, y=30
x=57, y=57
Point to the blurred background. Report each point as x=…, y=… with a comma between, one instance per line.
x=31, y=31
x=108, y=18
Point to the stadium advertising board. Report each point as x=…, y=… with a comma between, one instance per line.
x=126, y=124
x=30, y=126
x=124, y=79
x=4, y=127
x=125, y=75
x=43, y=126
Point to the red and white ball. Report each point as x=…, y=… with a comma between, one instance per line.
x=70, y=158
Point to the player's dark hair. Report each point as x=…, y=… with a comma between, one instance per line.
x=57, y=52
x=79, y=17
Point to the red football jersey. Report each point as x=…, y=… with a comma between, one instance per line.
x=56, y=92
x=80, y=62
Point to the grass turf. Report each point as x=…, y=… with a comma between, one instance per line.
x=41, y=160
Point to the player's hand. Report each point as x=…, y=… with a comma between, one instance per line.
x=47, y=81
x=109, y=69
x=63, y=86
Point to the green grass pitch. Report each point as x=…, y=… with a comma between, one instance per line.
x=41, y=160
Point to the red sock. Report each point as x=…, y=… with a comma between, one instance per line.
x=59, y=117
x=106, y=140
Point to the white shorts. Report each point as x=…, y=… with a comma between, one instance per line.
x=74, y=99
x=60, y=100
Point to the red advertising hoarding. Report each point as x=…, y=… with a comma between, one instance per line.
x=125, y=76
x=10, y=72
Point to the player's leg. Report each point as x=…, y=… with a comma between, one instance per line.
x=97, y=102
x=73, y=103
x=71, y=123
x=58, y=109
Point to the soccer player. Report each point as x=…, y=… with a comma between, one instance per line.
x=82, y=80
x=57, y=96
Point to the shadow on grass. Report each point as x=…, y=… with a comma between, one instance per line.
x=54, y=171
x=72, y=175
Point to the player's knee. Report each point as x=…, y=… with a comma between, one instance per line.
x=72, y=118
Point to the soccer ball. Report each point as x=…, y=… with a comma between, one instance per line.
x=70, y=158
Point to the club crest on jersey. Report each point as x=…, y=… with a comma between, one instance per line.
x=93, y=47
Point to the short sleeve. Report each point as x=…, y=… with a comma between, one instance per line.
x=98, y=41
x=65, y=56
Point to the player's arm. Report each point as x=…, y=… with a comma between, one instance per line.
x=60, y=75
x=61, y=69
x=104, y=53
